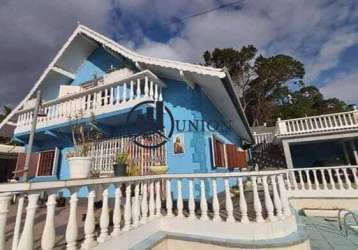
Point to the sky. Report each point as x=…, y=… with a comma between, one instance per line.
x=323, y=34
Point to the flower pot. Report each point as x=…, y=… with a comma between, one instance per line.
x=79, y=167
x=162, y=169
x=120, y=170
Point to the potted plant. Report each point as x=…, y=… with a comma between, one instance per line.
x=79, y=160
x=121, y=164
x=158, y=167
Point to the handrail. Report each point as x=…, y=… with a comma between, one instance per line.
x=344, y=219
x=323, y=168
x=319, y=116
x=36, y=186
x=147, y=73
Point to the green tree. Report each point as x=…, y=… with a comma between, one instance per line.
x=6, y=111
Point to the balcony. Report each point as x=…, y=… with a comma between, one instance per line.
x=110, y=94
x=344, y=121
x=236, y=208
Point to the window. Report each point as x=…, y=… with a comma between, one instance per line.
x=218, y=152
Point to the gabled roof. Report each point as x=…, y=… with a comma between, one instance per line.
x=191, y=73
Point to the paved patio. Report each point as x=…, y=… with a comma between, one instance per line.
x=324, y=234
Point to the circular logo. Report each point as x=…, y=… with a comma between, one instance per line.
x=148, y=118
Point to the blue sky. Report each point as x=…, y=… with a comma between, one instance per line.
x=323, y=34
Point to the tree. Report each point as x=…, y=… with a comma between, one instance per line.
x=265, y=85
x=260, y=80
x=6, y=111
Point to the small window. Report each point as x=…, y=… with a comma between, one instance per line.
x=218, y=152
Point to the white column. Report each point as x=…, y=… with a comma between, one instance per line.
x=4, y=206
x=158, y=200
x=268, y=201
x=151, y=201
x=20, y=206
x=127, y=209
x=242, y=203
x=216, y=206
x=90, y=222
x=191, y=200
x=146, y=87
x=131, y=93
x=228, y=202
x=203, y=202
x=355, y=153
x=257, y=203
x=138, y=88
x=180, y=199
x=287, y=152
x=346, y=155
x=276, y=198
x=144, y=205
x=117, y=214
x=169, y=201
x=284, y=198
x=48, y=238
x=136, y=208
x=72, y=226
x=104, y=218
x=124, y=97
x=27, y=237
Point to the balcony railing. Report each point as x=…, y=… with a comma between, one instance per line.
x=257, y=211
x=102, y=99
x=321, y=123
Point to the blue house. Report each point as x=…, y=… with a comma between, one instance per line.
x=95, y=81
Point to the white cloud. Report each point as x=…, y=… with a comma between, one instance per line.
x=344, y=86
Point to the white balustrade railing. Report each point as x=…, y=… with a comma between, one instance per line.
x=335, y=182
x=261, y=197
x=263, y=137
x=105, y=98
x=321, y=123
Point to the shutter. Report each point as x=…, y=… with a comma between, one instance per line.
x=20, y=164
x=231, y=154
x=219, y=153
x=46, y=163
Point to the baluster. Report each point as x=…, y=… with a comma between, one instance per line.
x=346, y=179
x=324, y=181
x=228, y=202
x=354, y=173
x=151, y=200
x=104, y=218
x=4, y=208
x=90, y=223
x=242, y=203
x=268, y=201
x=331, y=180
x=151, y=90
x=191, y=200
x=127, y=209
x=138, y=88
x=302, y=184
x=288, y=181
x=216, y=206
x=316, y=182
x=118, y=96
x=136, y=209
x=131, y=93
x=160, y=95
x=117, y=214
x=20, y=206
x=293, y=175
x=156, y=92
x=340, y=183
x=308, y=179
x=27, y=237
x=144, y=204
x=49, y=233
x=158, y=201
x=169, y=202
x=284, y=196
x=124, y=92
x=345, y=120
x=146, y=87
x=72, y=227
x=111, y=98
x=180, y=199
x=276, y=198
x=203, y=202
x=257, y=203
